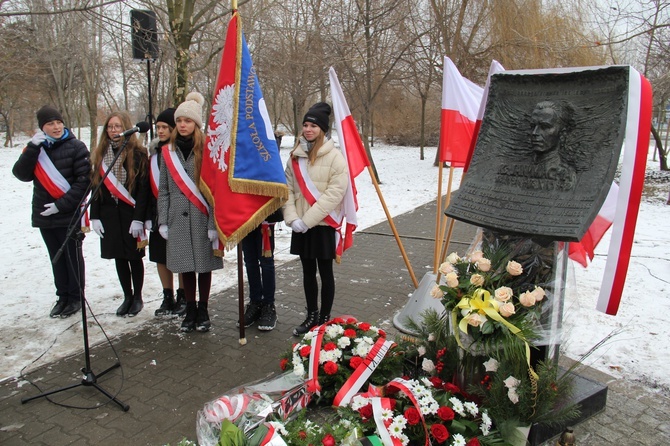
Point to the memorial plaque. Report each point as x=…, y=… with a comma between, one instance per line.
x=547, y=152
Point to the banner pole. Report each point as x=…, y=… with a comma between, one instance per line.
x=436, y=249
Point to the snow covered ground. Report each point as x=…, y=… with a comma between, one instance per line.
x=635, y=346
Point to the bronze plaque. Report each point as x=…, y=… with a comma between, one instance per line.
x=546, y=154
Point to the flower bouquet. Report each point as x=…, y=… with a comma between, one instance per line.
x=342, y=356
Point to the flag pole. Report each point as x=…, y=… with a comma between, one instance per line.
x=447, y=199
x=437, y=214
x=393, y=228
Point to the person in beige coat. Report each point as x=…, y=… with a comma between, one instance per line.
x=317, y=178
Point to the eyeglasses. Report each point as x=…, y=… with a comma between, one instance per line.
x=115, y=127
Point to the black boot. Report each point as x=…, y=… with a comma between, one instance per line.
x=73, y=305
x=167, y=305
x=202, y=322
x=180, y=305
x=323, y=318
x=310, y=321
x=188, y=324
x=59, y=307
x=125, y=306
x=136, y=306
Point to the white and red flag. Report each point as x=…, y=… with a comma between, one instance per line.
x=460, y=103
x=353, y=151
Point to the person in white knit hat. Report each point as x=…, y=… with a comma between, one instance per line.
x=185, y=218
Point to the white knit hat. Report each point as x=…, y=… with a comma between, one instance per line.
x=191, y=108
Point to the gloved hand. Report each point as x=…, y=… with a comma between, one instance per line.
x=163, y=230
x=136, y=228
x=148, y=225
x=96, y=225
x=50, y=210
x=38, y=138
x=299, y=226
x=212, y=235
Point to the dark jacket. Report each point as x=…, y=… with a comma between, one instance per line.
x=71, y=157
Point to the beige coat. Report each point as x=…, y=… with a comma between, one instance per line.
x=329, y=174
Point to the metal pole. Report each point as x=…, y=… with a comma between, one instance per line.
x=150, y=120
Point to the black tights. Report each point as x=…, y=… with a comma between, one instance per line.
x=325, y=267
x=131, y=276
x=204, y=285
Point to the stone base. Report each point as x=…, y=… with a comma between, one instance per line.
x=591, y=396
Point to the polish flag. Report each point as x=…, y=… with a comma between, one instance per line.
x=353, y=151
x=460, y=102
x=495, y=67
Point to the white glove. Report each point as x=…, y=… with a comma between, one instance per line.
x=50, y=210
x=162, y=230
x=212, y=235
x=148, y=225
x=136, y=228
x=38, y=138
x=299, y=226
x=96, y=225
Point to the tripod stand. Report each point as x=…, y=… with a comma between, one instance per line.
x=90, y=379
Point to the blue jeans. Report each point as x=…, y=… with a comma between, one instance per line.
x=260, y=269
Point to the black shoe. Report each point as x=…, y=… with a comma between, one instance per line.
x=268, y=319
x=125, y=306
x=136, y=306
x=71, y=308
x=251, y=314
x=188, y=324
x=310, y=321
x=167, y=306
x=59, y=307
x=323, y=318
x=180, y=305
x=202, y=322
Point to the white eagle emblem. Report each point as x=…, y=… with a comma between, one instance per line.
x=219, y=136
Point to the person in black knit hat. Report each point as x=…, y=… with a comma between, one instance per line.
x=58, y=166
x=313, y=194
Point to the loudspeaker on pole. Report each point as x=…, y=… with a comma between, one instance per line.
x=144, y=33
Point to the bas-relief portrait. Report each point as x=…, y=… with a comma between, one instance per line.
x=546, y=154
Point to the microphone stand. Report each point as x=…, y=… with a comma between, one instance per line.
x=89, y=379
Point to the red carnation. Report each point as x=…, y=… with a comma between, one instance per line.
x=435, y=381
x=305, y=351
x=364, y=326
x=351, y=320
x=283, y=363
x=330, y=368
x=445, y=413
x=338, y=320
x=330, y=346
x=412, y=416
x=439, y=433
x=474, y=441
x=302, y=435
x=382, y=333
x=366, y=412
x=452, y=388
x=349, y=333
x=328, y=440
x=355, y=361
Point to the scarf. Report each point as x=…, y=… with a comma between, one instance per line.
x=118, y=169
x=185, y=144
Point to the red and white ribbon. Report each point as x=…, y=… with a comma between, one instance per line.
x=405, y=387
x=379, y=405
x=313, y=385
x=154, y=174
x=183, y=180
x=115, y=187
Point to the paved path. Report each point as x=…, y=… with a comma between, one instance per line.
x=166, y=376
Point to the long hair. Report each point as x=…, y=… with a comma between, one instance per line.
x=127, y=158
x=198, y=147
x=318, y=142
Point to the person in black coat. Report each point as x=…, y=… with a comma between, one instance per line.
x=119, y=207
x=58, y=165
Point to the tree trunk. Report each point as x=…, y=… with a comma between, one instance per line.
x=662, y=157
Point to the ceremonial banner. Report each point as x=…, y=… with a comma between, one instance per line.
x=242, y=174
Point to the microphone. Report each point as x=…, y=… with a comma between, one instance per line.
x=141, y=127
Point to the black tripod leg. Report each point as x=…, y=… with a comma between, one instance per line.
x=51, y=392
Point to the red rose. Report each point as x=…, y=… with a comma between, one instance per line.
x=412, y=416
x=355, y=361
x=445, y=413
x=435, y=381
x=330, y=346
x=366, y=412
x=305, y=350
x=473, y=442
x=330, y=368
x=328, y=440
x=364, y=326
x=452, y=388
x=349, y=333
x=439, y=433
x=283, y=363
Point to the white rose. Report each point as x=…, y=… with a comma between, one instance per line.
x=539, y=294
x=452, y=280
x=436, y=292
x=431, y=337
x=511, y=382
x=476, y=256
x=428, y=365
x=491, y=365
x=477, y=280
x=514, y=268
x=421, y=350
x=527, y=299
x=475, y=319
x=513, y=396
x=506, y=309
x=446, y=268
x=503, y=294
x=483, y=265
x=453, y=258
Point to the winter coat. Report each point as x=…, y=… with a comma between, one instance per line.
x=71, y=157
x=188, y=247
x=329, y=174
x=116, y=216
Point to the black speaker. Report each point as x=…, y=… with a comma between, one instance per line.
x=145, y=41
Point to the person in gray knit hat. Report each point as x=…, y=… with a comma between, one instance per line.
x=185, y=218
x=59, y=182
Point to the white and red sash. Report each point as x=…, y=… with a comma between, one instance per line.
x=187, y=187
x=154, y=174
x=54, y=182
x=312, y=194
x=115, y=188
